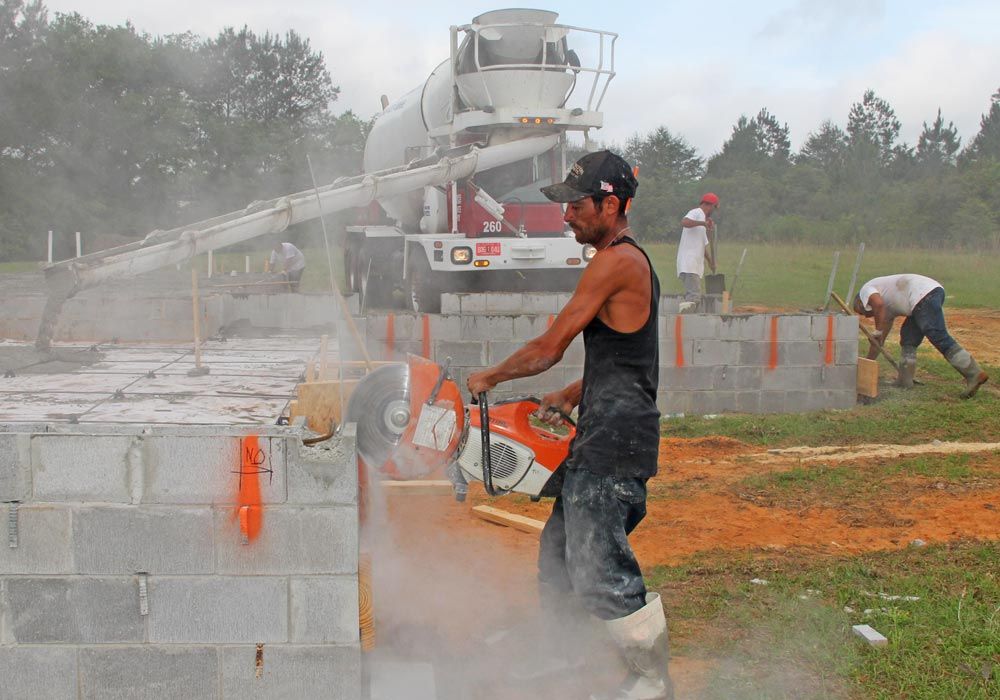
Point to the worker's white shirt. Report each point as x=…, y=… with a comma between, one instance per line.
x=296, y=260
x=691, y=251
x=900, y=293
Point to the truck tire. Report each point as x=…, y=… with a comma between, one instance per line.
x=423, y=288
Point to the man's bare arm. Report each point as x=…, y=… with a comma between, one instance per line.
x=600, y=280
x=691, y=223
x=883, y=323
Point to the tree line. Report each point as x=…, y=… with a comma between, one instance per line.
x=108, y=129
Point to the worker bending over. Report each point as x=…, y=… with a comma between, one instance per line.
x=290, y=262
x=584, y=557
x=920, y=299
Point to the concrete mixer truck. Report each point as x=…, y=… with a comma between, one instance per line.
x=512, y=77
x=455, y=167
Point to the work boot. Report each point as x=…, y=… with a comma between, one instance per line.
x=642, y=640
x=959, y=358
x=907, y=368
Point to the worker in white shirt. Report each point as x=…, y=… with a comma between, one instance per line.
x=920, y=300
x=290, y=262
x=694, y=250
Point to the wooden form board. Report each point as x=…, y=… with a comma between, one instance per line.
x=502, y=517
x=420, y=487
x=320, y=403
x=867, y=377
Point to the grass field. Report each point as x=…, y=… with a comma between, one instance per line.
x=789, y=277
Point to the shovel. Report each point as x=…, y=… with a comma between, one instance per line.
x=715, y=283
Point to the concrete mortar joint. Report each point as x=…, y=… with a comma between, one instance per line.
x=143, y=593
x=12, y=524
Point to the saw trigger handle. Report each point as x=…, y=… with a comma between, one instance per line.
x=484, y=431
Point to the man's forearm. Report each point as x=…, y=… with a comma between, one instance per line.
x=527, y=361
x=574, y=392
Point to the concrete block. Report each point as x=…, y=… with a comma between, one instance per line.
x=846, y=352
x=819, y=326
x=793, y=327
x=847, y=327
x=803, y=401
x=205, y=469
x=487, y=328
x=81, y=468
x=445, y=327
x=473, y=303
x=754, y=354
x=841, y=400
x=43, y=541
x=402, y=348
x=839, y=377
x=130, y=539
x=462, y=353
x=673, y=402
x=451, y=304
x=324, y=610
x=669, y=304
x=712, y=353
x=73, y=610
x=15, y=467
x=528, y=327
x=810, y=353
x=791, y=379
x=292, y=672
x=218, y=610
x=291, y=541
x=149, y=673
x=326, y=473
x=575, y=355
x=772, y=401
x=746, y=402
x=405, y=326
x=37, y=673
x=743, y=327
x=504, y=303
x=701, y=326
x=736, y=378
x=668, y=351
x=687, y=378
x=711, y=402
x=539, y=303
x=499, y=350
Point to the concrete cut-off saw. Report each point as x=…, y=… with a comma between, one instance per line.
x=411, y=422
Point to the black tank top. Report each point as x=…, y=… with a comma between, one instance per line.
x=618, y=428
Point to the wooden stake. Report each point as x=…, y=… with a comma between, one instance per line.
x=195, y=307
x=867, y=377
x=726, y=303
x=502, y=517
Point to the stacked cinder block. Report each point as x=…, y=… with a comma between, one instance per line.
x=124, y=572
x=709, y=363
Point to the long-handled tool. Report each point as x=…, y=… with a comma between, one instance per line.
x=868, y=334
x=716, y=282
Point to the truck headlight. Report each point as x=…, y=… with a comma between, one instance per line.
x=461, y=255
x=589, y=252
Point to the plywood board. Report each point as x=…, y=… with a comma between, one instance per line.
x=867, y=377
x=502, y=517
x=320, y=403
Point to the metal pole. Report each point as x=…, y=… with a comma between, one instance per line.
x=210, y=264
x=79, y=246
x=833, y=276
x=50, y=248
x=854, y=276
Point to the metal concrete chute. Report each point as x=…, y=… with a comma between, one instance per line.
x=161, y=249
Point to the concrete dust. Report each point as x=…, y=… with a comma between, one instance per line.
x=837, y=453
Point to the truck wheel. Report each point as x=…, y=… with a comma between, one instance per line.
x=353, y=271
x=422, y=287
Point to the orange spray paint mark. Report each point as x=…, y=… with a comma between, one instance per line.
x=253, y=463
x=679, y=339
x=829, y=340
x=390, y=336
x=773, y=361
x=426, y=350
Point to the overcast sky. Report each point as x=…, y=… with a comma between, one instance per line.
x=692, y=67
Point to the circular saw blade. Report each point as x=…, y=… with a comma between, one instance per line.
x=380, y=406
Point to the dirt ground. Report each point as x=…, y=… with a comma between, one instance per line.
x=697, y=503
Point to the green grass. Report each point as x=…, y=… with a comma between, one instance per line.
x=15, y=267
x=792, y=637
x=796, y=276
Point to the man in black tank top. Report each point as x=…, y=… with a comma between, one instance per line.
x=585, y=560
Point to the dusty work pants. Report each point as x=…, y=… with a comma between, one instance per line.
x=927, y=320
x=692, y=286
x=584, y=547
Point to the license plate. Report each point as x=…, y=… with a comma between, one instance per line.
x=488, y=248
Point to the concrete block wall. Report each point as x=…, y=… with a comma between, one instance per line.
x=124, y=572
x=708, y=363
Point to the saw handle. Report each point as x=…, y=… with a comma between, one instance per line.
x=484, y=432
